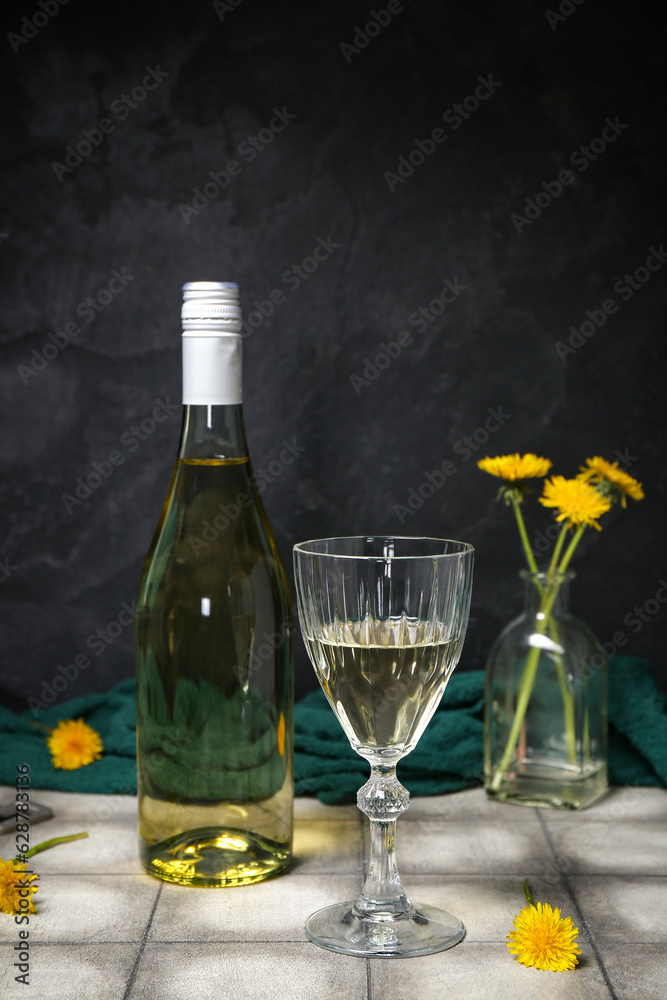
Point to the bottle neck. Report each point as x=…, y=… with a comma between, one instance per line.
x=213, y=415
x=213, y=432
x=557, y=587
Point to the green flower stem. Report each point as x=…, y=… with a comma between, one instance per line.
x=46, y=844
x=40, y=725
x=525, y=688
x=528, y=677
x=527, y=893
x=568, y=706
x=530, y=558
x=568, y=700
x=570, y=549
x=557, y=551
x=568, y=703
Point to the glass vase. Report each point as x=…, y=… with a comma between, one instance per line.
x=545, y=730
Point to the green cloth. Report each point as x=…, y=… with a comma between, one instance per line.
x=112, y=714
x=447, y=758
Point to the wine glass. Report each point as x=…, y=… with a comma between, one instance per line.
x=383, y=620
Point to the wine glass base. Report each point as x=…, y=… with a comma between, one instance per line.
x=422, y=930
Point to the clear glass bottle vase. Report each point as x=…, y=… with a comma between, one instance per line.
x=545, y=729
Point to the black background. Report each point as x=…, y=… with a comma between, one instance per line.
x=67, y=572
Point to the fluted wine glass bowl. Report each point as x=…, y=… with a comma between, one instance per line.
x=384, y=620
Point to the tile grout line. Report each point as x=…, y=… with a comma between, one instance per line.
x=167, y=941
x=245, y=941
x=142, y=946
x=369, y=980
x=564, y=877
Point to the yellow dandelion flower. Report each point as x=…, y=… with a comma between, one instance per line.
x=544, y=940
x=515, y=467
x=578, y=502
x=16, y=889
x=74, y=744
x=617, y=482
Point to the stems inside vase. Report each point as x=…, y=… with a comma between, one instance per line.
x=544, y=621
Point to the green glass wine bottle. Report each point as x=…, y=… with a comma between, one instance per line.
x=214, y=638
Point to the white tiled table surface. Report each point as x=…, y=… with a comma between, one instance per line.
x=106, y=931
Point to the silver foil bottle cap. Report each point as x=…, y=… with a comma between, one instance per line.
x=211, y=307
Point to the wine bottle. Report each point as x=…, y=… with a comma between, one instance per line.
x=214, y=638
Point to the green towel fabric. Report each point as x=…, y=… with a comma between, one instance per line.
x=113, y=716
x=447, y=758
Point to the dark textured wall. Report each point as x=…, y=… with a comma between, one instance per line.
x=327, y=175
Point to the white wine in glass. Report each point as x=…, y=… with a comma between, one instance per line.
x=383, y=620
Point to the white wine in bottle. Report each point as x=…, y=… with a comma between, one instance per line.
x=214, y=638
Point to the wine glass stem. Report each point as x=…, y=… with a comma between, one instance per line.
x=382, y=799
